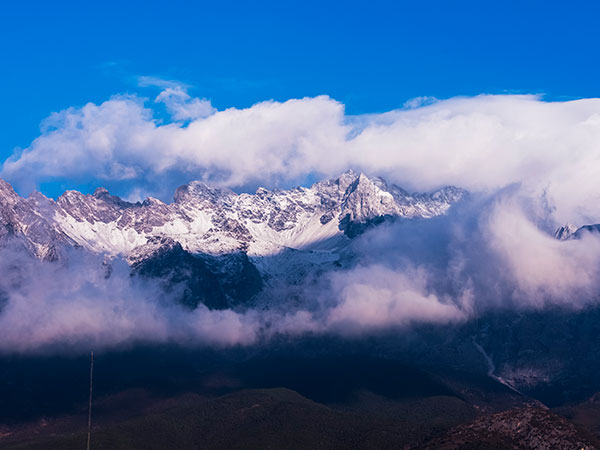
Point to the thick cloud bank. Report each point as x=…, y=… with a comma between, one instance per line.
x=489, y=253
x=83, y=303
x=529, y=165
x=78, y=305
x=479, y=143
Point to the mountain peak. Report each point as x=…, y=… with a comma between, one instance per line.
x=361, y=181
x=198, y=190
x=565, y=232
x=6, y=188
x=100, y=192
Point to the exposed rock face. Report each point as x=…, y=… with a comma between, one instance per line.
x=218, y=282
x=564, y=233
x=586, y=229
x=240, y=239
x=179, y=271
x=571, y=232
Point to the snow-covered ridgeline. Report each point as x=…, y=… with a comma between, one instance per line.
x=214, y=221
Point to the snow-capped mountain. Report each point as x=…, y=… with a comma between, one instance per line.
x=570, y=231
x=280, y=233
x=214, y=221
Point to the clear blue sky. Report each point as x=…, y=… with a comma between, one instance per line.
x=371, y=55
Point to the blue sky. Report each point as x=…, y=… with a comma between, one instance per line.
x=371, y=56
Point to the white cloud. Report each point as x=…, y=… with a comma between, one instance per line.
x=418, y=102
x=376, y=297
x=182, y=107
x=541, y=269
x=76, y=306
x=151, y=81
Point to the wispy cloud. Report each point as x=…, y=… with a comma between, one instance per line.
x=183, y=107
x=153, y=81
x=418, y=102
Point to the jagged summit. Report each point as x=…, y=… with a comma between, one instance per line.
x=565, y=232
x=99, y=192
x=572, y=232
x=196, y=189
x=215, y=221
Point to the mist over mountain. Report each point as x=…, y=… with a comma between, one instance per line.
x=350, y=256
x=210, y=253
x=495, y=275
x=299, y=225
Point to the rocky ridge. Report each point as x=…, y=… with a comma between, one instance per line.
x=214, y=221
x=570, y=231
